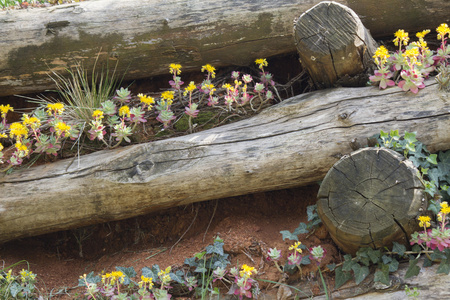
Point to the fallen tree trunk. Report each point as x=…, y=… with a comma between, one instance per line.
x=291, y=144
x=146, y=36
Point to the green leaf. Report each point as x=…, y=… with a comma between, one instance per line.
x=384, y=135
x=286, y=234
x=190, y=262
x=444, y=267
x=200, y=255
x=410, y=147
x=413, y=269
x=382, y=275
x=14, y=289
x=348, y=263
x=147, y=272
x=416, y=248
x=398, y=248
x=341, y=277
x=217, y=248
x=90, y=278
x=360, y=272
x=410, y=137
x=375, y=255
x=200, y=269
x=395, y=135
x=438, y=255
x=432, y=159
x=393, y=265
x=311, y=212
x=178, y=276
x=331, y=267
x=427, y=263
x=302, y=228
x=128, y=272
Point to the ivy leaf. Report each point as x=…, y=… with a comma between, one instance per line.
x=375, y=255
x=398, y=248
x=178, y=276
x=128, y=272
x=432, y=158
x=311, y=212
x=444, y=162
x=360, y=272
x=302, y=228
x=348, y=263
x=382, y=275
x=393, y=265
x=413, y=269
x=217, y=248
x=410, y=137
x=444, y=267
x=331, y=267
x=200, y=270
x=427, y=263
x=437, y=255
x=286, y=234
x=395, y=135
x=190, y=262
x=147, y=272
x=341, y=277
x=90, y=278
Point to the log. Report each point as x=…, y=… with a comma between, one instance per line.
x=371, y=198
x=333, y=44
x=291, y=144
x=147, y=35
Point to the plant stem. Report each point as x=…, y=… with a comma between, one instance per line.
x=324, y=284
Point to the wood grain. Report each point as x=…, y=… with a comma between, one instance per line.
x=371, y=198
x=147, y=35
x=288, y=145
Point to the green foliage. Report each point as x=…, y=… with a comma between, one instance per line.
x=21, y=286
x=435, y=168
x=313, y=222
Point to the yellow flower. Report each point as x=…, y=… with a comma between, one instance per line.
x=97, y=114
x=445, y=209
x=175, y=69
x=247, y=271
x=22, y=148
x=18, y=130
x=56, y=108
x=296, y=247
x=442, y=30
x=1, y=147
x=210, y=69
x=3, y=135
x=124, y=111
x=4, y=110
x=423, y=33
x=33, y=122
x=145, y=280
x=147, y=100
x=191, y=87
x=401, y=37
x=381, y=55
x=412, y=54
x=167, y=95
x=61, y=128
x=261, y=62
x=424, y=221
x=227, y=86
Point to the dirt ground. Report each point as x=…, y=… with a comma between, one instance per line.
x=249, y=225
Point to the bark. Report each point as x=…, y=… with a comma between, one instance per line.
x=333, y=44
x=147, y=35
x=288, y=145
x=371, y=198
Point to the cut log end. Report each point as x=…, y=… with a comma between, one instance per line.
x=371, y=198
x=333, y=43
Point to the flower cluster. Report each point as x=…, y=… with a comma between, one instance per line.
x=438, y=237
x=412, y=63
x=117, y=118
x=27, y=136
x=21, y=286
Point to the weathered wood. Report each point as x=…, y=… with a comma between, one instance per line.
x=291, y=144
x=147, y=35
x=370, y=199
x=333, y=43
